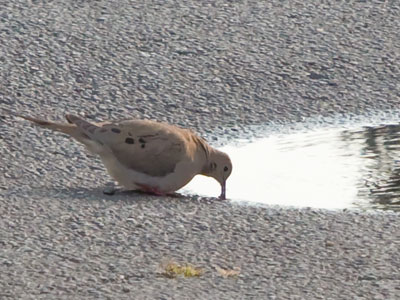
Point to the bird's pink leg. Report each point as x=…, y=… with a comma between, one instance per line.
x=150, y=189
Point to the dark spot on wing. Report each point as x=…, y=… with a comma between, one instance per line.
x=115, y=130
x=143, y=145
x=129, y=140
x=141, y=140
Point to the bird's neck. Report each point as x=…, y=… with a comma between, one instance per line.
x=209, y=163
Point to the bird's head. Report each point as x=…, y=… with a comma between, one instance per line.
x=219, y=166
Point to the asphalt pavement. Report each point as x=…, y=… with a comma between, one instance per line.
x=217, y=67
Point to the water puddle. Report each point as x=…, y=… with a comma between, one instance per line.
x=331, y=168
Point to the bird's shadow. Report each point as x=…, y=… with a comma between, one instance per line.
x=98, y=194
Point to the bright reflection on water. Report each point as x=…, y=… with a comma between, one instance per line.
x=325, y=168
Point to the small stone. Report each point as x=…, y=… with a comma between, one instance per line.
x=329, y=244
x=109, y=190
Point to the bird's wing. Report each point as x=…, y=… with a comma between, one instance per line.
x=144, y=146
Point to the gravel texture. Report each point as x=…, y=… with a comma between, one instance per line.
x=216, y=67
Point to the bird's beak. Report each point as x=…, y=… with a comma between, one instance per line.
x=223, y=191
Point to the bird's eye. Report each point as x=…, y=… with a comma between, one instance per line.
x=225, y=169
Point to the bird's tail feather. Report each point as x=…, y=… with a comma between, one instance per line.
x=69, y=129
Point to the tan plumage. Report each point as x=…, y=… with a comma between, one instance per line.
x=146, y=155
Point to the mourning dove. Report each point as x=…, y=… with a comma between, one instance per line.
x=145, y=155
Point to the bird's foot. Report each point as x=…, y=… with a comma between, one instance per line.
x=151, y=190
